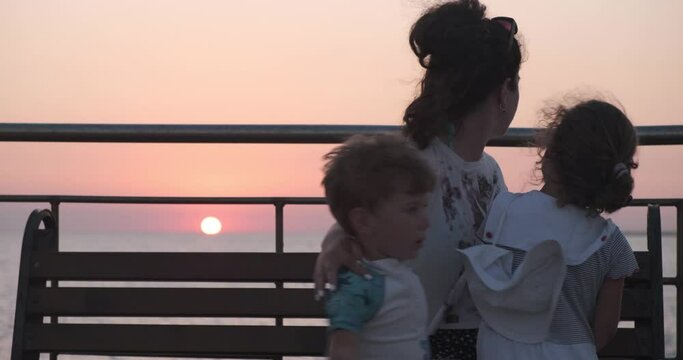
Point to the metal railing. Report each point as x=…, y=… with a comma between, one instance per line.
x=261, y=134
x=287, y=134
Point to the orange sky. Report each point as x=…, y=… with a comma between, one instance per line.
x=291, y=62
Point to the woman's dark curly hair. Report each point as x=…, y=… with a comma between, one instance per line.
x=466, y=56
x=587, y=150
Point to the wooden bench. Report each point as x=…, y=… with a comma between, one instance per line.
x=55, y=319
x=42, y=264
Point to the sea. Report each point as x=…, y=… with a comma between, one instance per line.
x=10, y=246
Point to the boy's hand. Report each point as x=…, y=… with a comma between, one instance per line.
x=337, y=250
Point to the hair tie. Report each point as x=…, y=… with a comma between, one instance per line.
x=620, y=170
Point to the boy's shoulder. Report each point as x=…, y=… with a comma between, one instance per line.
x=354, y=284
x=355, y=301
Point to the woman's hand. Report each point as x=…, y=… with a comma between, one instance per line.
x=337, y=250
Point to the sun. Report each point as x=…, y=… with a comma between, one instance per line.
x=211, y=225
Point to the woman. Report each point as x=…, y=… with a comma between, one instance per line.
x=468, y=95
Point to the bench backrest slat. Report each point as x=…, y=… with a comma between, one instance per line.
x=130, y=266
x=179, y=340
x=211, y=302
x=177, y=302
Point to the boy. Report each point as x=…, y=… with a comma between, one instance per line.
x=377, y=188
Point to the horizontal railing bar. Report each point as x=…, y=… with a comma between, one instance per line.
x=163, y=200
x=658, y=201
x=228, y=200
x=263, y=134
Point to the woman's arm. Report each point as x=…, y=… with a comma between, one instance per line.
x=337, y=250
x=343, y=345
x=607, y=311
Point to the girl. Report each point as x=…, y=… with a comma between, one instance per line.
x=468, y=95
x=551, y=284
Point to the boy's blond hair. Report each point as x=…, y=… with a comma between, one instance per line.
x=367, y=169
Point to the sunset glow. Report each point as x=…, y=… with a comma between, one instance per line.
x=288, y=62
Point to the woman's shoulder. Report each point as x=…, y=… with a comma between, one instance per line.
x=441, y=154
x=490, y=160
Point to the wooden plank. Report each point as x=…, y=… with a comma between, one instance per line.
x=212, y=302
x=627, y=343
x=177, y=340
x=180, y=302
x=129, y=266
x=88, y=266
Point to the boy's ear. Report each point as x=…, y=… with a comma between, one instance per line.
x=361, y=220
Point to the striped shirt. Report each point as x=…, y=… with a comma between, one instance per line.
x=575, y=311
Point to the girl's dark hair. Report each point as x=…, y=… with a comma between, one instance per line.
x=466, y=56
x=583, y=148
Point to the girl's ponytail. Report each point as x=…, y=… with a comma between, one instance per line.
x=617, y=191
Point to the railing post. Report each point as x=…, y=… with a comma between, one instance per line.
x=54, y=206
x=679, y=278
x=654, y=247
x=279, y=227
x=279, y=248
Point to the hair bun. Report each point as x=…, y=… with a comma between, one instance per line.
x=447, y=30
x=616, y=193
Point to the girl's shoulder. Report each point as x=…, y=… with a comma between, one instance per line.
x=522, y=220
x=620, y=257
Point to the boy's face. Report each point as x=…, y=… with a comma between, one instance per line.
x=398, y=225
